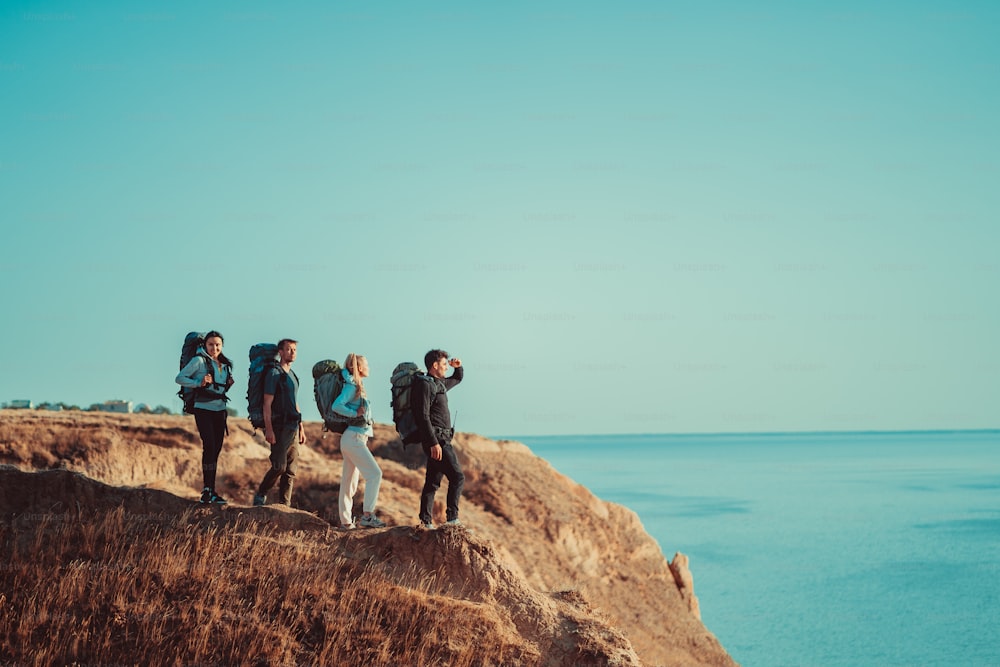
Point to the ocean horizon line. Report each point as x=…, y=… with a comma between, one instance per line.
x=715, y=434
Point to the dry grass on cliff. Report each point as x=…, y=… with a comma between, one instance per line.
x=170, y=582
x=133, y=589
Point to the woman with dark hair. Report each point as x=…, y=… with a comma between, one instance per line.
x=210, y=375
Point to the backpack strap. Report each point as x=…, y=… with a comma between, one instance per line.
x=202, y=392
x=288, y=372
x=436, y=387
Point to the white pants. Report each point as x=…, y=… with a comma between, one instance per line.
x=358, y=461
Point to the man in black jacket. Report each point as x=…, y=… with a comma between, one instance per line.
x=430, y=408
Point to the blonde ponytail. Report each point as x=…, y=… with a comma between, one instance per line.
x=352, y=363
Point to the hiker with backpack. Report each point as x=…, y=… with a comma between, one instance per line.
x=205, y=378
x=283, y=428
x=429, y=401
x=353, y=404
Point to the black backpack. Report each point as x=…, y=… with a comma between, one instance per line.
x=404, y=377
x=328, y=382
x=263, y=357
x=194, y=344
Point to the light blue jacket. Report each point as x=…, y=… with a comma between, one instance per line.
x=349, y=401
x=191, y=377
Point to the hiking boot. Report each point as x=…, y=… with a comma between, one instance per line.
x=206, y=496
x=371, y=521
x=216, y=499
x=347, y=526
x=259, y=500
x=427, y=526
x=453, y=522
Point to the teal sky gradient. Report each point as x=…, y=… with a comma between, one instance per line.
x=624, y=217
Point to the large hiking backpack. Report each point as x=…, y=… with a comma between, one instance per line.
x=328, y=382
x=193, y=342
x=194, y=345
x=403, y=377
x=263, y=357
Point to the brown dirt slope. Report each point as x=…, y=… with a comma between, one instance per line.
x=541, y=546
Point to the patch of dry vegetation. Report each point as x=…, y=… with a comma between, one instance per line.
x=123, y=589
x=172, y=582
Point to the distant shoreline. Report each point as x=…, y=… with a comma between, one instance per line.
x=770, y=434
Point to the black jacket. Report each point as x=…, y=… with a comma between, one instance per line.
x=430, y=406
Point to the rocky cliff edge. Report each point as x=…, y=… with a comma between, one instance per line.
x=576, y=579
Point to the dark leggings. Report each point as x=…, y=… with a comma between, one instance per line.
x=212, y=429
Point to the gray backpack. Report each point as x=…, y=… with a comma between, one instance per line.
x=328, y=382
x=403, y=377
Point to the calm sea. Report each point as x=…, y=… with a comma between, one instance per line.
x=819, y=549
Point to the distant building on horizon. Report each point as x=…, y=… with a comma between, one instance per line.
x=22, y=405
x=116, y=406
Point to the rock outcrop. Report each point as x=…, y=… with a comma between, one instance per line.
x=541, y=546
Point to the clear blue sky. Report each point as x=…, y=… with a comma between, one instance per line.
x=624, y=217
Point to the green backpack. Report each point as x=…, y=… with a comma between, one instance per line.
x=403, y=377
x=328, y=382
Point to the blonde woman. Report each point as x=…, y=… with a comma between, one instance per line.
x=358, y=460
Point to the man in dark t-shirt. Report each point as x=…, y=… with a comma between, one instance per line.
x=282, y=424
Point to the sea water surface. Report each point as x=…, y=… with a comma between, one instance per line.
x=827, y=549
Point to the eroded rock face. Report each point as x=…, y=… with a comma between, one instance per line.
x=562, y=536
x=685, y=582
x=544, y=531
